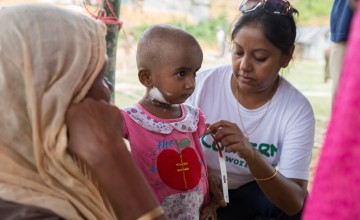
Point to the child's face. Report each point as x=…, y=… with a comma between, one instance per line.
x=175, y=74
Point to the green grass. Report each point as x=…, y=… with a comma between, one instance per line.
x=311, y=11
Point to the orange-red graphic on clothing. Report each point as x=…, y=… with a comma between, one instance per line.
x=179, y=170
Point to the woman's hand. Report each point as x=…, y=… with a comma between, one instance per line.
x=216, y=198
x=95, y=137
x=93, y=128
x=230, y=136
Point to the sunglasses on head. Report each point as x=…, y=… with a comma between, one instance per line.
x=280, y=7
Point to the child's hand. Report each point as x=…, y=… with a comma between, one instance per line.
x=216, y=196
x=207, y=125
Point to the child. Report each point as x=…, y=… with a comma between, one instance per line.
x=162, y=131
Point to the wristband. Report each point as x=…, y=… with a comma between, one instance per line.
x=267, y=178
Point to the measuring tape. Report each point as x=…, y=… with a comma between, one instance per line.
x=224, y=181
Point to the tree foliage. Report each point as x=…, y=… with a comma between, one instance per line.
x=313, y=12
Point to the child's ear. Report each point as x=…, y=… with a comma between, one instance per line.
x=145, y=77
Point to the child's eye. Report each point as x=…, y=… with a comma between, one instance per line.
x=194, y=74
x=181, y=74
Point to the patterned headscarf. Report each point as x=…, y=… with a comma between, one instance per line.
x=49, y=58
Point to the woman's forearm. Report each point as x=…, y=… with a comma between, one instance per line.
x=286, y=194
x=95, y=138
x=124, y=185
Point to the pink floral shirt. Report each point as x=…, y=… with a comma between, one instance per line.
x=169, y=154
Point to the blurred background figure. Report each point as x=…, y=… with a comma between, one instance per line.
x=327, y=75
x=128, y=60
x=129, y=41
x=221, y=40
x=340, y=20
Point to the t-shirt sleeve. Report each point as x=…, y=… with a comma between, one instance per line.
x=125, y=129
x=298, y=143
x=201, y=124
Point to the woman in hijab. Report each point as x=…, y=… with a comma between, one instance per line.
x=52, y=166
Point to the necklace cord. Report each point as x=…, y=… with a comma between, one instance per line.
x=247, y=134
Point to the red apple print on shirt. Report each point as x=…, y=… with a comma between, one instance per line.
x=179, y=170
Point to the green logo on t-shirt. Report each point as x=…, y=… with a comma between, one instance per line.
x=268, y=150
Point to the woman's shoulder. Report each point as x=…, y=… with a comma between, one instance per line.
x=213, y=77
x=214, y=72
x=289, y=94
x=210, y=83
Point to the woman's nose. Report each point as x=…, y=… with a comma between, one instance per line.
x=245, y=64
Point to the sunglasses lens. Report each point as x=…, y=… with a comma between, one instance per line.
x=249, y=5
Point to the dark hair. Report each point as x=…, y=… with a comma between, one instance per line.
x=280, y=30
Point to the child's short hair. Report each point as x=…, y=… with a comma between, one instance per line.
x=158, y=39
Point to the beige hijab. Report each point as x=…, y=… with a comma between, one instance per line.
x=49, y=58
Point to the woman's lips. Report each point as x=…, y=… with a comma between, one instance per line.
x=245, y=79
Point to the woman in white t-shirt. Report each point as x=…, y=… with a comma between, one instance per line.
x=264, y=123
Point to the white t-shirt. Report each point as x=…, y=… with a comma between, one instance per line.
x=285, y=136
